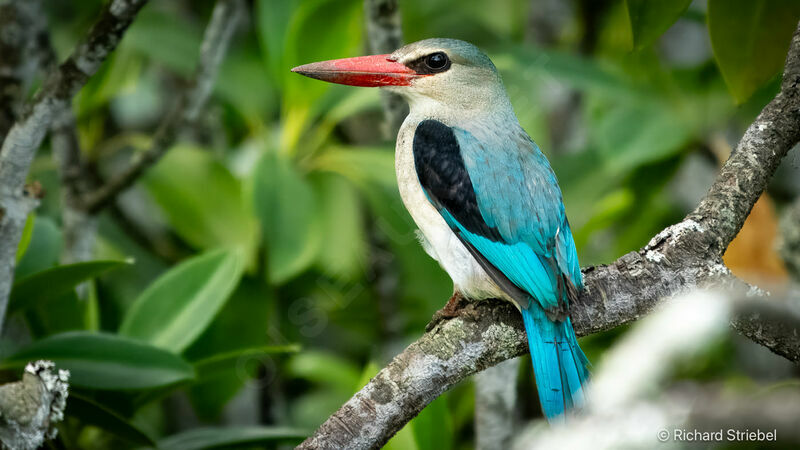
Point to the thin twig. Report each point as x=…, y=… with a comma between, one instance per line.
x=216, y=40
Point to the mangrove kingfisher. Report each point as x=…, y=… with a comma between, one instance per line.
x=484, y=197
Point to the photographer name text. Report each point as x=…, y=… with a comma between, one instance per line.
x=721, y=435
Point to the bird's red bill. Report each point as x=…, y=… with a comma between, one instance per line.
x=365, y=71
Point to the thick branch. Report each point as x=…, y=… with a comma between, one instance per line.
x=27, y=134
x=216, y=40
x=680, y=258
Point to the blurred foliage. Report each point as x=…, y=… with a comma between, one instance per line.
x=265, y=268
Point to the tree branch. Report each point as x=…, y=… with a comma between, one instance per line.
x=19, y=20
x=216, y=40
x=680, y=258
x=31, y=408
x=29, y=130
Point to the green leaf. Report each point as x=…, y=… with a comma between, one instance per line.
x=93, y=413
x=212, y=365
x=579, y=72
x=173, y=311
x=403, y=440
x=650, y=18
x=65, y=313
x=106, y=361
x=201, y=200
x=272, y=20
x=658, y=134
x=325, y=369
x=308, y=39
x=343, y=253
x=123, y=69
x=285, y=204
x=240, y=324
x=178, y=39
x=241, y=83
x=226, y=437
x=433, y=427
x=750, y=40
x=366, y=167
x=51, y=284
x=43, y=250
x=27, y=233
x=214, y=391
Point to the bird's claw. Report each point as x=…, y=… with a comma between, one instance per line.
x=450, y=310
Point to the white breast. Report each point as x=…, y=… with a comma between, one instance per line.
x=439, y=241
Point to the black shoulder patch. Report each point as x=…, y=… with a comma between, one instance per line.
x=442, y=173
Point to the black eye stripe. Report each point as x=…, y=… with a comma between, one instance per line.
x=436, y=62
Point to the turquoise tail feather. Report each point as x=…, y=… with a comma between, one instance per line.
x=559, y=364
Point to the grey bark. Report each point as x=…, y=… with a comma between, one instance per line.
x=19, y=20
x=27, y=133
x=385, y=35
x=31, y=408
x=682, y=257
x=224, y=20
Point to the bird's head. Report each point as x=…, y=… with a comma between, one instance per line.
x=444, y=72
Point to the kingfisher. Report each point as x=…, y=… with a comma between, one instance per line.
x=484, y=197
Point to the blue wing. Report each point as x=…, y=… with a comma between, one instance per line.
x=501, y=197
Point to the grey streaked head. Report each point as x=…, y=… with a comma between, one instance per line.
x=460, y=76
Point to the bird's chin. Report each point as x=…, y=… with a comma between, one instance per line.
x=402, y=91
x=410, y=95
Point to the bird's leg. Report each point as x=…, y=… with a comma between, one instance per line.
x=449, y=311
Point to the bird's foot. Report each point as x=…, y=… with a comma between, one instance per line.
x=449, y=311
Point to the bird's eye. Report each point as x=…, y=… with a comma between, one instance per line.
x=437, y=61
